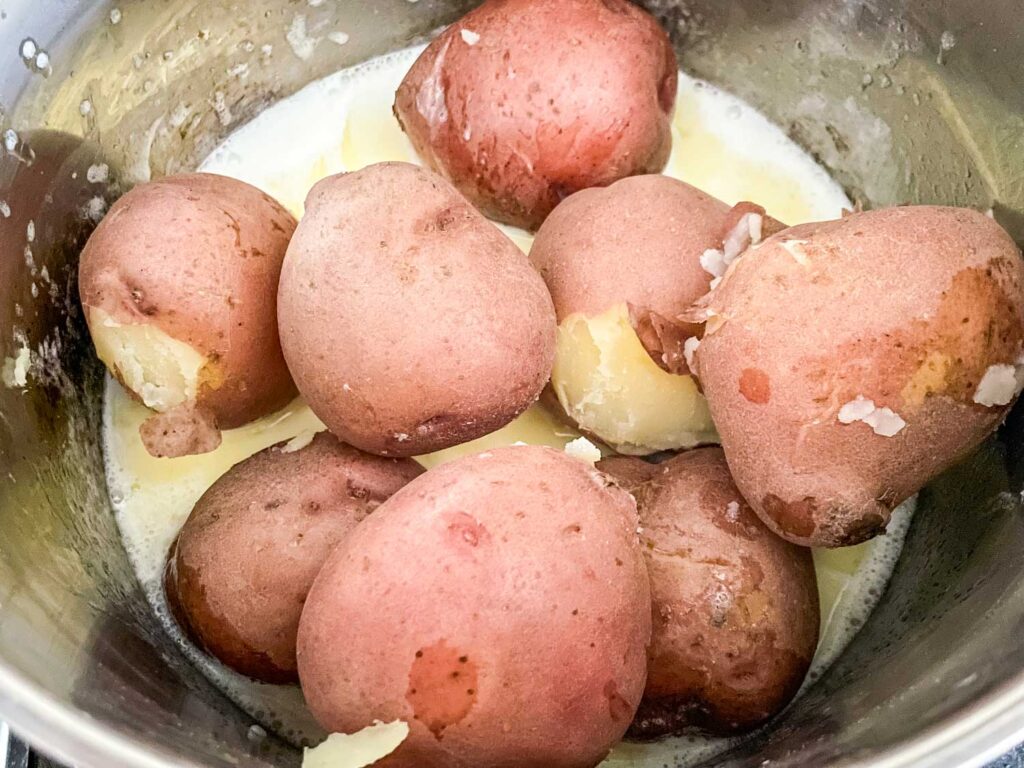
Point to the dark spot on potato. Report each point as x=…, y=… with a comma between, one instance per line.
x=236, y=228
x=442, y=687
x=438, y=424
x=362, y=493
x=572, y=529
x=618, y=707
x=795, y=518
x=755, y=385
x=868, y=526
x=464, y=530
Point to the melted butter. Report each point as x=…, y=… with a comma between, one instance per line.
x=344, y=122
x=733, y=152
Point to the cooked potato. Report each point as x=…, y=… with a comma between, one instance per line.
x=179, y=284
x=499, y=604
x=847, y=363
x=238, y=574
x=735, y=607
x=522, y=102
x=622, y=263
x=410, y=323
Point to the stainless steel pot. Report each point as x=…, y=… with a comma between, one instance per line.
x=903, y=100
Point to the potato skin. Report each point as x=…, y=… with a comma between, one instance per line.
x=239, y=572
x=907, y=307
x=638, y=240
x=579, y=93
x=500, y=602
x=199, y=257
x=735, y=607
x=409, y=321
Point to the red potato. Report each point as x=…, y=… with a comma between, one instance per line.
x=622, y=263
x=499, y=605
x=847, y=363
x=735, y=607
x=522, y=102
x=179, y=286
x=409, y=321
x=641, y=241
x=239, y=572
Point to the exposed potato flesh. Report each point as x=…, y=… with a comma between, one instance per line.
x=359, y=749
x=162, y=371
x=609, y=385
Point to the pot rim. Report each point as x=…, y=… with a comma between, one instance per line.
x=979, y=733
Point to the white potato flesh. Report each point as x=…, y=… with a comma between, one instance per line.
x=161, y=370
x=609, y=385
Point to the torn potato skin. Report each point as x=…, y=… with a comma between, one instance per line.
x=907, y=308
x=184, y=430
x=499, y=604
x=185, y=269
x=735, y=613
x=538, y=138
x=641, y=243
x=241, y=567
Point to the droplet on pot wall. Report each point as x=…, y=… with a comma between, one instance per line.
x=28, y=50
x=946, y=43
x=97, y=174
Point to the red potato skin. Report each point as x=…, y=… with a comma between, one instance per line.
x=410, y=322
x=499, y=604
x=241, y=568
x=578, y=93
x=637, y=241
x=907, y=307
x=735, y=608
x=199, y=257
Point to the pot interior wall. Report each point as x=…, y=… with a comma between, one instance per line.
x=910, y=101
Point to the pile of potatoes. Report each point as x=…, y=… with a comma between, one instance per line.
x=522, y=606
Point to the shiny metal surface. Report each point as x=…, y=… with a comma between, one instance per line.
x=904, y=100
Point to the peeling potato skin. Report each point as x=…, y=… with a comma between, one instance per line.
x=199, y=257
x=182, y=431
x=580, y=93
x=627, y=472
x=409, y=321
x=907, y=307
x=239, y=572
x=734, y=607
x=518, y=569
x=637, y=241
